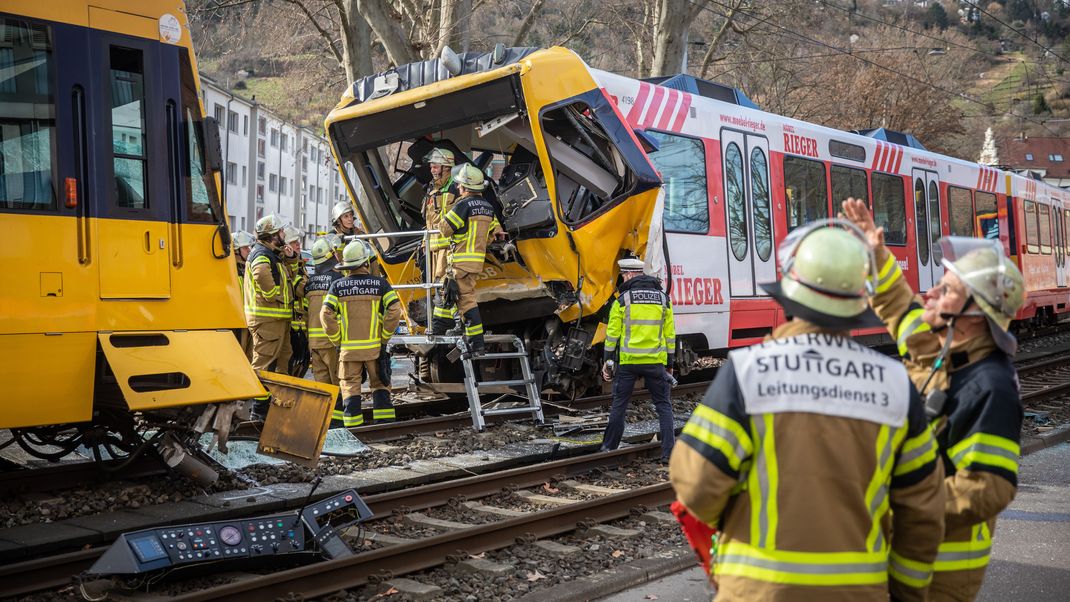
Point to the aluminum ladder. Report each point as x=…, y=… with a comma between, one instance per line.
x=473, y=385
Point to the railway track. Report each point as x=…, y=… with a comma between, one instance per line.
x=56, y=571
x=1045, y=379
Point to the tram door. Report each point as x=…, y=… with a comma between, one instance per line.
x=132, y=163
x=1058, y=228
x=927, y=227
x=748, y=215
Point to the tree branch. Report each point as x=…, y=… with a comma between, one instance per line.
x=528, y=22
x=327, y=37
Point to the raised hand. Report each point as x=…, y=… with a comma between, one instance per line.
x=856, y=211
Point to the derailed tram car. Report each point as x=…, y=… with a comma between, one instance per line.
x=572, y=183
x=119, y=292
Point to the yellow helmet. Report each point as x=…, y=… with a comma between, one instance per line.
x=322, y=250
x=828, y=276
x=269, y=224
x=354, y=255
x=469, y=176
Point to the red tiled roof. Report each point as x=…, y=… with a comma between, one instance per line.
x=1012, y=152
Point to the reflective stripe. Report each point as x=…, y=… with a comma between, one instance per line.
x=909, y=572
x=357, y=420
x=801, y=568
x=888, y=275
x=611, y=343
x=763, y=482
x=965, y=555
x=454, y=219
x=910, y=324
x=444, y=312
x=982, y=448
x=721, y=433
x=383, y=413
x=916, y=452
x=641, y=351
x=877, y=490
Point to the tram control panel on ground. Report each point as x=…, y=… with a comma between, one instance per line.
x=277, y=534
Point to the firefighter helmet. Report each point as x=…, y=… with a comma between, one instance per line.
x=440, y=156
x=291, y=234
x=828, y=275
x=337, y=242
x=340, y=208
x=992, y=279
x=269, y=224
x=469, y=176
x=241, y=238
x=354, y=255
x=322, y=250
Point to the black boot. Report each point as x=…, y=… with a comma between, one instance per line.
x=352, y=415
x=382, y=408
x=337, y=415
x=473, y=331
x=441, y=320
x=258, y=411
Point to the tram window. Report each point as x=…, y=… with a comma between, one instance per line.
x=759, y=184
x=960, y=204
x=987, y=221
x=934, y=220
x=1044, y=222
x=805, y=190
x=1066, y=230
x=27, y=117
x=737, y=205
x=848, y=183
x=1032, y=233
x=128, y=127
x=682, y=163
x=889, y=208
x=200, y=205
x=920, y=222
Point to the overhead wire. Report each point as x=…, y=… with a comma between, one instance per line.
x=1017, y=31
x=703, y=6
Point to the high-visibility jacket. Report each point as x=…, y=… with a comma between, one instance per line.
x=979, y=433
x=641, y=324
x=360, y=313
x=268, y=295
x=470, y=224
x=297, y=277
x=812, y=455
x=441, y=195
x=319, y=283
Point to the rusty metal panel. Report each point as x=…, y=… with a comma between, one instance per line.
x=296, y=425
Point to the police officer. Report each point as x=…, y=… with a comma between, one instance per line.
x=469, y=225
x=642, y=315
x=957, y=347
x=323, y=351
x=242, y=243
x=343, y=220
x=293, y=359
x=810, y=452
x=360, y=314
x=268, y=299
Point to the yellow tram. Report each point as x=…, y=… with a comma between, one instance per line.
x=573, y=183
x=119, y=291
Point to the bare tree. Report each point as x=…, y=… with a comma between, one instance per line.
x=671, y=33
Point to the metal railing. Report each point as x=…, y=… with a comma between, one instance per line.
x=426, y=285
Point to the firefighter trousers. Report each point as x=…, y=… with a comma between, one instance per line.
x=325, y=365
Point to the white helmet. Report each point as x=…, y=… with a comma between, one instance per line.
x=269, y=224
x=440, y=156
x=469, y=176
x=291, y=234
x=241, y=238
x=340, y=208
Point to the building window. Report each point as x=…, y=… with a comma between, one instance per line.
x=682, y=164
x=313, y=153
x=304, y=145
x=282, y=184
x=232, y=173
x=232, y=121
x=244, y=174
x=311, y=192
x=243, y=222
x=273, y=182
x=805, y=190
x=260, y=193
x=1029, y=156
x=220, y=114
x=889, y=208
x=319, y=194
x=284, y=142
x=274, y=138
x=27, y=117
x=261, y=150
x=245, y=125
x=1057, y=158
x=960, y=202
x=260, y=170
x=261, y=126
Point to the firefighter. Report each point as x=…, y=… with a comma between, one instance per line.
x=359, y=315
x=642, y=313
x=956, y=345
x=810, y=453
x=295, y=352
x=268, y=299
x=343, y=220
x=469, y=225
x=324, y=353
x=242, y=243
